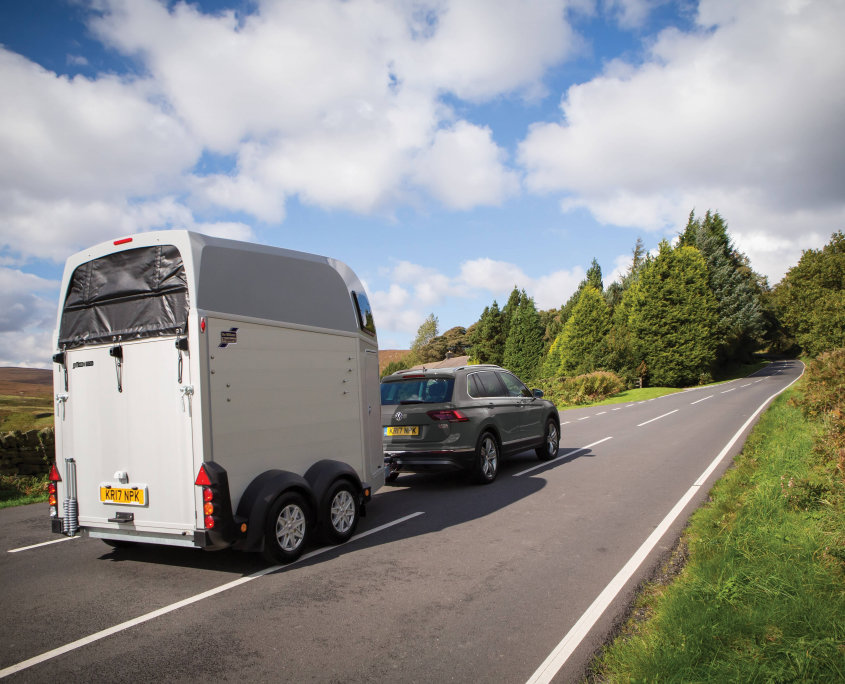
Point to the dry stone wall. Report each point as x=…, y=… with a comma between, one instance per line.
x=27, y=453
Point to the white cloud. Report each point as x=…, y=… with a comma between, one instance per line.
x=27, y=317
x=742, y=116
x=464, y=168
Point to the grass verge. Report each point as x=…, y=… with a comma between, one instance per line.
x=762, y=595
x=16, y=490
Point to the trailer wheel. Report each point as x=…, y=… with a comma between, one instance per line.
x=340, y=513
x=287, y=528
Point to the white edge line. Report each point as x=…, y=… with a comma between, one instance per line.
x=700, y=400
x=658, y=418
x=46, y=543
x=556, y=659
x=97, y=636
x=568, y=452
x=730, y=390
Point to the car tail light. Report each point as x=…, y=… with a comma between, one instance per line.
x=53, y=491
x=448, y=415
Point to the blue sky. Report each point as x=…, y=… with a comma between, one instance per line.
x=446, y=150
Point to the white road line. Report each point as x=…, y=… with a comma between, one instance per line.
x=558, y=657
x=46, y=543
x=601, y=413
x=748, y=385
x=584, y=418
x=730, y=390
x=618, y=409
x=658, y=418
x=700, y=400
x=84, y=641
x=566, y=422
x=567, y=453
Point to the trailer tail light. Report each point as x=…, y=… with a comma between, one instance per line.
x=448, y=415
x=53, y=491
x=122, y=241
x=208, y=497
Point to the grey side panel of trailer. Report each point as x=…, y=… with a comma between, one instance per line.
x=274, y=287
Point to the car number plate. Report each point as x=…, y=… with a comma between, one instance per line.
x=128, y=496
x=402, y=431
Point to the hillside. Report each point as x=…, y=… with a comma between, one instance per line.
x=386, y=356
x=30, y=382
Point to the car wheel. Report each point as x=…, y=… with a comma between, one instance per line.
x=287, y=528
x=340, y=513
x=486, y=459
x=551, y=442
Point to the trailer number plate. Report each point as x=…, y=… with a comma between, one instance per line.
x=132, y=496
x=402, y=431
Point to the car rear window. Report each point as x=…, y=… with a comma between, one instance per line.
x=417, y=391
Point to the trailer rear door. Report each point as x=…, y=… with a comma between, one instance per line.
x=126, y=420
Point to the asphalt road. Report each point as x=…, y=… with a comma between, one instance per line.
x=520, y=580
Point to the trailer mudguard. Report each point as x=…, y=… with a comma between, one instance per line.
x=323, y=473
x=260, y=495
x=224, y=532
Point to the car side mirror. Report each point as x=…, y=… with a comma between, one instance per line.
x=538, y=393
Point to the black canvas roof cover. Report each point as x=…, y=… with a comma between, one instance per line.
x=131, y=294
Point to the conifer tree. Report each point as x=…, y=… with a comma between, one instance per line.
x=488, y=344
x=741, y=321
x=524, y=344
x=582, y=344
x=673, y=317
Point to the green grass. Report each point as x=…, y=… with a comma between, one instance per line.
x=16, y=490
x=627, y=396
x=25, y=413
x=762, y=597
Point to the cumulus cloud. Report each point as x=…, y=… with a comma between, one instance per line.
x=414, y=291
x=742, y=116
x=464, y=168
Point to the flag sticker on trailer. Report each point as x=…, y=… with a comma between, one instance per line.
x=228, y=337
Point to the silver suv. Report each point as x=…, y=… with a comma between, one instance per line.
x=463, y=418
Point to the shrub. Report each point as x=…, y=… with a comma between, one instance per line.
x=582, y=389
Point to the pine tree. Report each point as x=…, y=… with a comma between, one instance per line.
x=524, y=344
x=741, y=321
x=673, y=317
x=488, y=344
x=583, y=340
x=509, y=311
x=427, y=331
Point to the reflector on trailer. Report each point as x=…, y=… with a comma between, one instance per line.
x=202, y=478
x=54, y=474
x=123, y=241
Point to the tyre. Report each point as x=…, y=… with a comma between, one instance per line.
x=287, y=528
x=551, y=441
x=340, y=513
x=391, y=476
x=486, y=459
